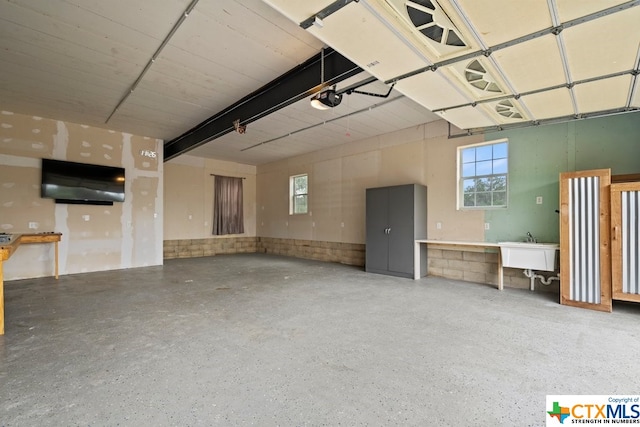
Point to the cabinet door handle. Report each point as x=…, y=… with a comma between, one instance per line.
x=389, y=230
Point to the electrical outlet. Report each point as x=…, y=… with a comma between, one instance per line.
x=438, y=225
x=33, y=225
x=487, y=226
x=86, y=217
x=539, y=200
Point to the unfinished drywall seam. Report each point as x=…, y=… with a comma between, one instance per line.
x=158, y=226
x=61, y=214
x=126, y=221
x=60, y=141
x=61, y=211
x=571, y=146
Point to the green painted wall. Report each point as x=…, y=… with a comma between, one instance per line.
x=537, y=155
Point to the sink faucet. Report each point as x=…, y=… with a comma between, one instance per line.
x=530, y=238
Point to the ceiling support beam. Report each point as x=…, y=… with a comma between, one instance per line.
x=296, y=84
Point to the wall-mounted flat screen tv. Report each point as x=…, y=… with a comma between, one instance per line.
x=81, y=183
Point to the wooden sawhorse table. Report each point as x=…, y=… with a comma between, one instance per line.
x=8, y=248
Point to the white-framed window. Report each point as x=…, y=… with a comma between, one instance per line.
x=298, y=194
x=483, y=175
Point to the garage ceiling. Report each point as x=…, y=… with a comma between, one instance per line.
x=489, y=64
x=160, y=68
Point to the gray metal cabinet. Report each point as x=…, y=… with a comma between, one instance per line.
x=396, y=217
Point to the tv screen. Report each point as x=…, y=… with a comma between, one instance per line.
x=71, y=182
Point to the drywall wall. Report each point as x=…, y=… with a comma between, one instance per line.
x=424, y=154
x=442, y=210
x=537, y=156
x=94, y=238
x=339, y=176
x=188, y=196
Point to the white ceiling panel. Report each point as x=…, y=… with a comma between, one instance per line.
x=533, y=64
x=432, y=90
x=157, y=14
x=497, y=21
x=255, y=60
x=360, y=36
x=545, y=105
x=297, y=10
x=603, y=46
x=201, y=92
x=25, y=71
x=572, y=9
x=472, y=117
x=204, y=71
x=34, y=48
x=56, y=87
x=66, y=22
x=602, y=95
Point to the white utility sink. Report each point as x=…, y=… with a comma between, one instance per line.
x=531, y=256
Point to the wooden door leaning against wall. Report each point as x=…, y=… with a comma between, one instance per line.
x=585, y=255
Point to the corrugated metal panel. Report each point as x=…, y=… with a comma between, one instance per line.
x=630, y=241
x=584, y=241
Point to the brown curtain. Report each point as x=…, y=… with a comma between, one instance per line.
x=228, y=216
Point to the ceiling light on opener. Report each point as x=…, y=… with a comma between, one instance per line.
x=326, y=99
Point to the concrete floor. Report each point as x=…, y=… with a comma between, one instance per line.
x=265, y=340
